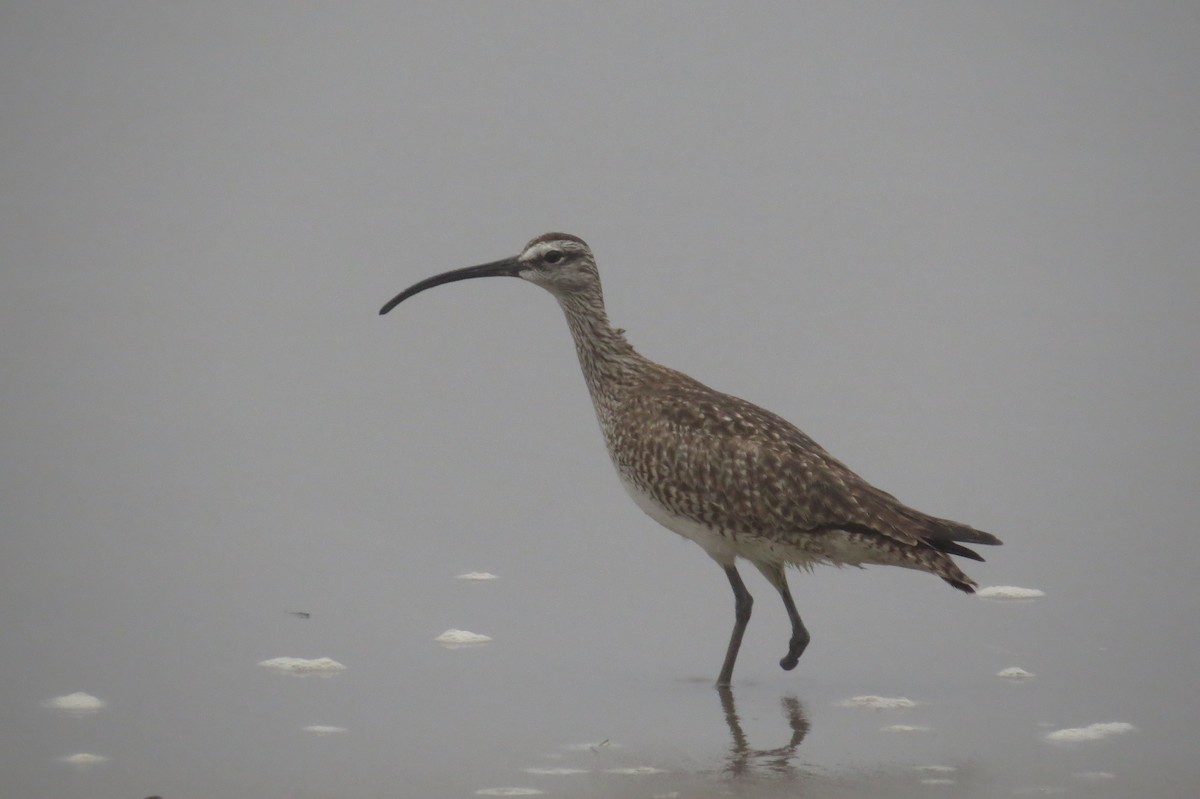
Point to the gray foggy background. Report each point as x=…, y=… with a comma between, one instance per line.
x=957, y=243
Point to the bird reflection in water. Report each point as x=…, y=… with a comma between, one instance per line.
x=745, y=761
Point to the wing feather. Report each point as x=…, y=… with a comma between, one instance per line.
x=725, y=462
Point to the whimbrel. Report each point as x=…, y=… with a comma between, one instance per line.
x=736, y=479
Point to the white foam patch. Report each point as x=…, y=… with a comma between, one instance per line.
x=509, y=792
x=83, y=759
x=938, y=781
x=301, y=667
x=879, y=702
x=1092, y=732
x=324, y=729
x=936, y=769
x=78, y=703
x=906, y=728
x=1009, y=593
x=555, y=772
x=455, y=638
x=1014, y=674
x=477, y=576
x=1094, y=776
x=636, y=770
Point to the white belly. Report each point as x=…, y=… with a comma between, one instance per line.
x=719, y=547
x=834, y=547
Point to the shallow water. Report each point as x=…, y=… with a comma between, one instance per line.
x=539, y=712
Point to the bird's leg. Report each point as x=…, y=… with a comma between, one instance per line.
x=800, y=636
x=743, y=603
x=775, y=575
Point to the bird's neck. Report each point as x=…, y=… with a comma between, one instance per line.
x=611, y=366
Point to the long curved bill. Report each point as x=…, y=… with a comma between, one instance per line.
x=509, y=267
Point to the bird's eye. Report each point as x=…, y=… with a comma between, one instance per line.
x=553, y=257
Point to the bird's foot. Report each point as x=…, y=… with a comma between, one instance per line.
x=795, y=650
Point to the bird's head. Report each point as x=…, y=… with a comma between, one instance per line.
x=558, y=262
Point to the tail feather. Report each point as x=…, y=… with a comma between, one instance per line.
x=945, y=535
x=969, y=587
x=951, y=548
x=943, y=567
x=967, y=534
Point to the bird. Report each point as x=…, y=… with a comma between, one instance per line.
x=738, y=480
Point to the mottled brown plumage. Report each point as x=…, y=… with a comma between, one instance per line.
x=751, y=475
x=738, y=480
